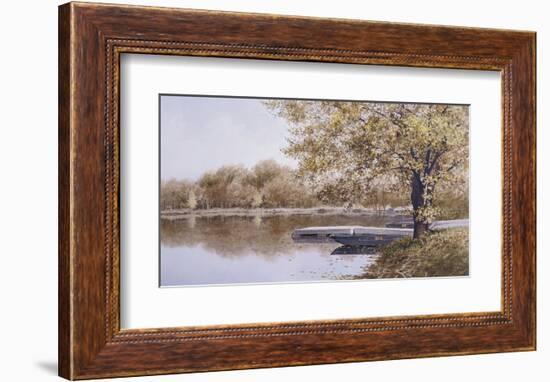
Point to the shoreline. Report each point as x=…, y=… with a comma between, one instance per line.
x=253, y=212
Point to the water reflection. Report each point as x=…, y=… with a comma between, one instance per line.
x=226, y=250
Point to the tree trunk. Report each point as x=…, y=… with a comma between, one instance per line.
x=418, y=202
x=420, y=228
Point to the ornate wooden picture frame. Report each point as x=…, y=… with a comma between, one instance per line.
x=92, y=38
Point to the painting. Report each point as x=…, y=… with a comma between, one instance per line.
x=270, y=190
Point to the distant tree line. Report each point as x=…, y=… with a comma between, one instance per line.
x=271, y=185
x=267, y=184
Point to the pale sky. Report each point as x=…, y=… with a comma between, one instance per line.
x=198, y=134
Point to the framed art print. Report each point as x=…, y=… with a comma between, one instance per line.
x=246, y=190
x=290, y=212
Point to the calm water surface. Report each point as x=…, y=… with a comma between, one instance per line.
x=228, y=250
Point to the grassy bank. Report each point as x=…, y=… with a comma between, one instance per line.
x=442, y=253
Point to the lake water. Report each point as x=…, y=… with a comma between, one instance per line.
x=229, y=250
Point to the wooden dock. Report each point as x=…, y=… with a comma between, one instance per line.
x=365, y=236
x=446, y=224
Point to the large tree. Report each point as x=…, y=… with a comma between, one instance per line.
x=349, y=149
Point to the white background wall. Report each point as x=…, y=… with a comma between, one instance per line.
x=28, y=192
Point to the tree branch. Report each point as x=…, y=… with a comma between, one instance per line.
x=413, y=154
x=434, y=162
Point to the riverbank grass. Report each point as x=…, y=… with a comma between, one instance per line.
x=440, y=253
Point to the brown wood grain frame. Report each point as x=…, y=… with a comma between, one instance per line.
x=92, y=38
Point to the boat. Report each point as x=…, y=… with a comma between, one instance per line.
x=354, y=250
x=365, y=240
x=371, y=236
